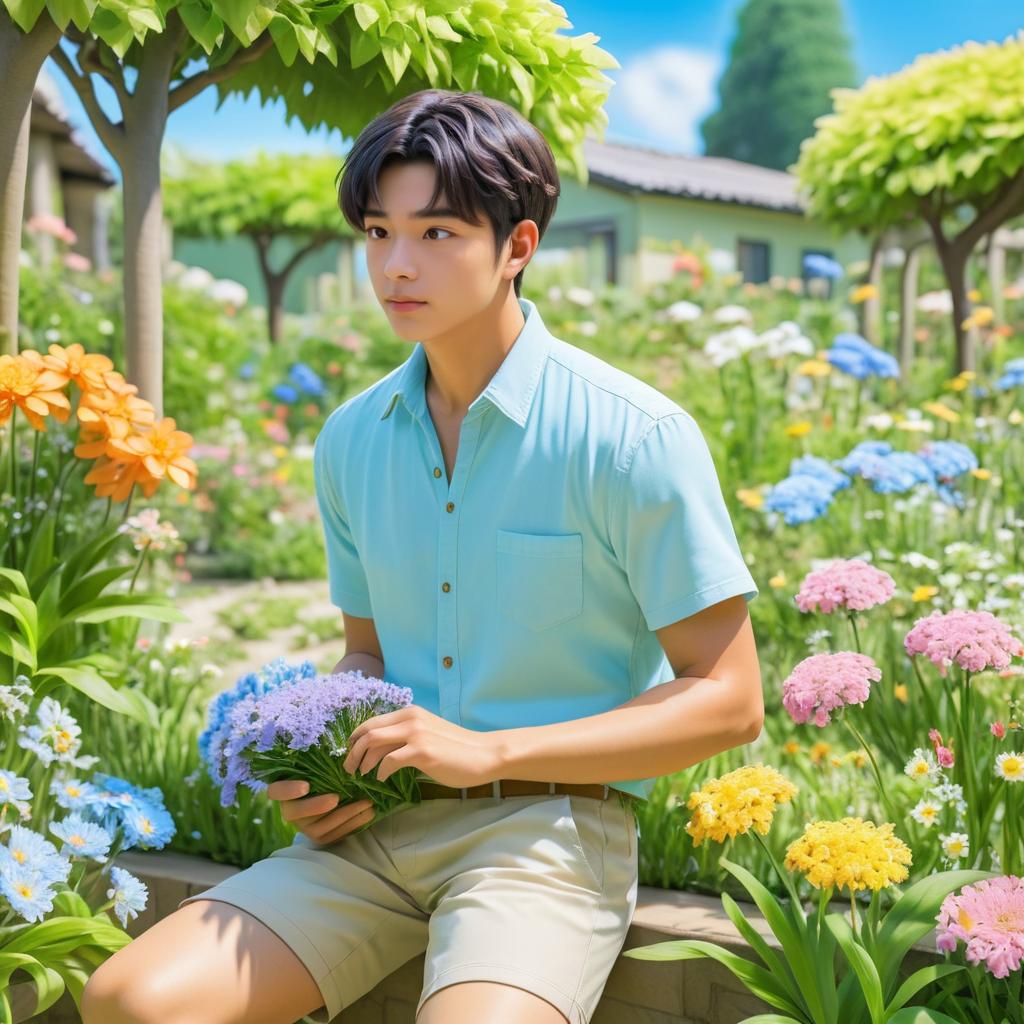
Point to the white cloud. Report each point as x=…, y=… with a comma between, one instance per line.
x=664, y=94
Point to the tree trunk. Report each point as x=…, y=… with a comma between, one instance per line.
x=21, y=56
x=908, y=300
x=954, y=265
x=871, y=307
x=145, y=119
x=274, y=281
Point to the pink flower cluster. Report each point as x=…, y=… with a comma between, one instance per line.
x=822, y=683
x=973, y=640
x=845, y=583
x=989, y=917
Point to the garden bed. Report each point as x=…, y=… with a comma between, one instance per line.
x=637, y=992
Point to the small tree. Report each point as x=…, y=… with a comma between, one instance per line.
x=262, y=198
x=940, y=141
x=358, y=56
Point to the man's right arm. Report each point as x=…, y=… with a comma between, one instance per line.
x=362, y=647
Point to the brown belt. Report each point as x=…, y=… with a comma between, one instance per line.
x=516, y=787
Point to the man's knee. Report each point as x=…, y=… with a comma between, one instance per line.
x=110, y=997
x=468, y=1002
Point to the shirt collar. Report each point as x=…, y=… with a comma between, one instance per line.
x=511, y=388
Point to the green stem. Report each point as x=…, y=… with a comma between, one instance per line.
x=890, y=810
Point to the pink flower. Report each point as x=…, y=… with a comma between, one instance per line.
x=989, y=917
x=76, y=261
x=944, y=756
x=935, y=736
x=974, y=640
x=845, y=583
x=51, y=224
x=824, y=682
x=998, y=730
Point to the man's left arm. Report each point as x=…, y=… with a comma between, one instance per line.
x=715, y=703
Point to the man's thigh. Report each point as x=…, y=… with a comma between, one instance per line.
x=469, y=1002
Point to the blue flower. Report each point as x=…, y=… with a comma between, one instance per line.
x=800, y=498
x=27, y=890
x=858, y=357
x=137, y=810
x=13, y=788
x=306, y=379
x=898, y=472
x=246, y=370
x=286, y=393
x=863, y=456
x=948, y=459
x=818, y=265
x=82, y=838
x=814, y=465
x=128, y=893
x=1012, y=375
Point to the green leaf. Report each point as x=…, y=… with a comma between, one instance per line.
x=917, y=981
x=95, y=687
x=14, y=648
x=914, y=915
x=88, y=588
x=863, y=966
x=137, y=606
x=24, y=13
x=16, y=579
x=23, y=611
x=920, y=1015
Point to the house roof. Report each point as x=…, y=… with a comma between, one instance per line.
x=717, y=179
x=49, y=115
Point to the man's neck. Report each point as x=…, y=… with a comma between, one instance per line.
x=460, y=365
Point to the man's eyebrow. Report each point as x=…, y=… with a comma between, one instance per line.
x=424, y=214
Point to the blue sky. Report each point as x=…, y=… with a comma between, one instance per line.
x=671, y=55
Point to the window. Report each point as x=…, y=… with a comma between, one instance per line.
x=754, y=260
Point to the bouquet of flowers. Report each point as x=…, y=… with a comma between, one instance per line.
x=288, y=722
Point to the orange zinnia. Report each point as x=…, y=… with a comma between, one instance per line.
x=162, y=452
x=33, y=388
x=115, y=479
x=86, y=369
x=117, y=402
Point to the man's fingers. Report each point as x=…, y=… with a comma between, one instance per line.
x=287, y=789
x=301, y=812
x=349, y=825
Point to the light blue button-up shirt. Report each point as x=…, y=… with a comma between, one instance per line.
x=584, y=512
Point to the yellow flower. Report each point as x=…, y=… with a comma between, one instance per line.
x=279, y=451
x=974, y=295
x=899, y=691
x=791, y=747
x=981, y=316
x=739, y=800
x=820, y=750
x=859, y=758
x=814, y=368
x=924, y=593
x=967, y=375
x=836, y=762
x=750, y=497
x=799, y=429
x=1010, y=766
x=956, y=384
x=1016, y=417
x=851, y=852
x=942, y=411
x=863, y=292
x=981, y=473
x=778, y=580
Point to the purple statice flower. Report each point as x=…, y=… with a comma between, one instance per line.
x=311, y=717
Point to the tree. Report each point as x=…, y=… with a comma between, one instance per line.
x=785, y=57
x=940, y=141
x=358, y=56
x=262, y=198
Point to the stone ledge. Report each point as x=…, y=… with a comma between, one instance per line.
x=637, y=991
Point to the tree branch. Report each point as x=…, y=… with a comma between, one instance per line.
x=300, y=254
x=1007, y=204
x=190, y=87
x=89, y=59
x=110, y=133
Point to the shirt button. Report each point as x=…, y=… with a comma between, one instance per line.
x=450, y=506
x=447, y=662
x=446, y=586
x=437, y=471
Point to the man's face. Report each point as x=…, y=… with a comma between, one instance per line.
x=445, y=262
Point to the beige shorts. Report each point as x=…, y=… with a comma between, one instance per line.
x=533, y=891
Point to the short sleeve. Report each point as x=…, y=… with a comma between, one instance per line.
x=670, y=527
x=345, y=574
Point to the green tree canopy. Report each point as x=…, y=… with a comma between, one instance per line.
x=940, y=141
x=263, y=197
x=786, y=56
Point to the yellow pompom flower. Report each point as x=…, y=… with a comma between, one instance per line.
x=819, y=751
x=899, y=691
x=863, y=292
x=799, y=429
x=778, y=580
x=739, y=800
x=814, y=368
x=850, y=852
x=750, y=497
x=942, y=411
x=981, y=474
x=924, y=593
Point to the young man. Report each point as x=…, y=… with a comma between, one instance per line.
x=536, y=543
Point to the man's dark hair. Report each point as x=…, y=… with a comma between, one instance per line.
x=486, y=155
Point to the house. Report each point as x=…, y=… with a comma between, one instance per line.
x=620, y=226
x=64, y=179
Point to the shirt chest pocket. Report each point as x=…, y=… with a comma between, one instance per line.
x=539, y=577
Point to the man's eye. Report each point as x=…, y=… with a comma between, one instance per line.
x=376, y=227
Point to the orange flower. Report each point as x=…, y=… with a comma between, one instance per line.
x=86, y=369
x=115, y=479
x=101, y=409
x=36, y=390
x=162, y=452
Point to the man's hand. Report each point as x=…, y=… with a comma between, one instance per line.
x=414, y=737
x=319, y=818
